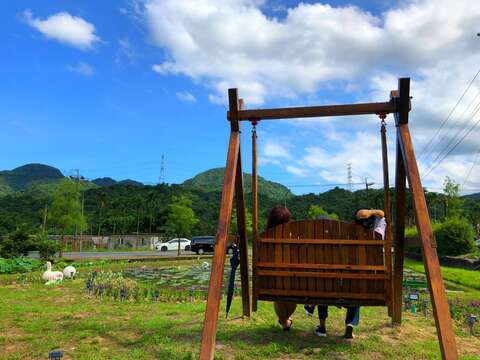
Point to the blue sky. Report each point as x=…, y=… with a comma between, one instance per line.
x=116, y=84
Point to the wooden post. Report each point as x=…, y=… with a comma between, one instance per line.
x=399, y=239
x=209, y=332
x=254, y=220
x=438, y=296
x=242, y=232
x=386, y=207
x=439, y=300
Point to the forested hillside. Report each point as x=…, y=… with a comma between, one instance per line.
x=127, y=207
x=212, y=181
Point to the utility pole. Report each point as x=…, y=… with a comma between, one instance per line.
x=162, y=170
x=367, y=185
x=44, y=227
x=349, y=176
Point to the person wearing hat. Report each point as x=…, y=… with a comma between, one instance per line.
x=371, y=219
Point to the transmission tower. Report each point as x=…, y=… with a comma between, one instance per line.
x=349, y=176
x=162, y=170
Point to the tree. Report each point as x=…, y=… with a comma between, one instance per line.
x=66, y=210
x=17, y=243
x=180, y=216
x=47, y=248
x=453, y=201
x=455, y=236
x=316, y=211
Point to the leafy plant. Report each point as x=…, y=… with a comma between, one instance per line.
x=17, y=243
x=455, y=236
x=47, y=248
x=316, y=211
x=19, y=265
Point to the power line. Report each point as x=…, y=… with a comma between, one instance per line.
x=423, y=151
x=471, y=168
x=457, y=134
x=453, y=138
x=453, y=148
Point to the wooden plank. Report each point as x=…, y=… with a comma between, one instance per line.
x=319, y=252
x=270, y=255
x=215, y=287
x=286, y=254
x=362, y=256
x=278, y=254
x=320, y=266
x=242, y=229
x=310, y=274
x=316, y=111
x=388, y=218
x=326, y=294
x=255, y=283
x=438, y=296
x=302, y=251
x=343, y=257
x=336, y=253
x=242, y=233
x=400, y=204
x=310, y=233
x=293, y=233
x=324, y=241
x=327, y=255
x=323, y=300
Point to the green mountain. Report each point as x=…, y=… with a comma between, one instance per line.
x=28, y=175
x=212, y=181
x=105, y=181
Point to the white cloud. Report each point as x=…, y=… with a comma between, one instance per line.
x=65, y=28
x=275, y=150
x=226, y=43
x=316, y=49
x=296, y=170
x=81, y=68
x=185, y=96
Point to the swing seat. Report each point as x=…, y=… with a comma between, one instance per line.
x=326, y=262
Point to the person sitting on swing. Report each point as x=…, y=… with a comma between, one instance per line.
x=279, y=215
x=370, y=219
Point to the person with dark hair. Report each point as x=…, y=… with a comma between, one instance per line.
x=281, y=215
x=370, y=219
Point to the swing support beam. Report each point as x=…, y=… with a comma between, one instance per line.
x=406, y=169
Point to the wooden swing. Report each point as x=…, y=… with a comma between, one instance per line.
x=326, y=261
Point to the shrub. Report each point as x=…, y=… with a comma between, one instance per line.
x=47, y=248
x=19, y=265
x=455, y=236
x=16, y=244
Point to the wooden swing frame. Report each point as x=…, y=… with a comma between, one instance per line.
x=406, y=168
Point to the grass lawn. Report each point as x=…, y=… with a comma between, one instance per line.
x=466, y=278
x=35, y=318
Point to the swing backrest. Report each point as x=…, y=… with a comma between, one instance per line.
x=321, y=262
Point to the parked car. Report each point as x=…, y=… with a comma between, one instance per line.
x=173, y=245
x=204, y=244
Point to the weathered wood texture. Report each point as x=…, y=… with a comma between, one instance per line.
x=325, y=260
x=209, y=332
x=399, y=240
x=438, y=296
x=315, y=111
x=388, y=216
x=242, y=232
x=254, y=219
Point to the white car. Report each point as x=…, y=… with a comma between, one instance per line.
x=173, y=245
